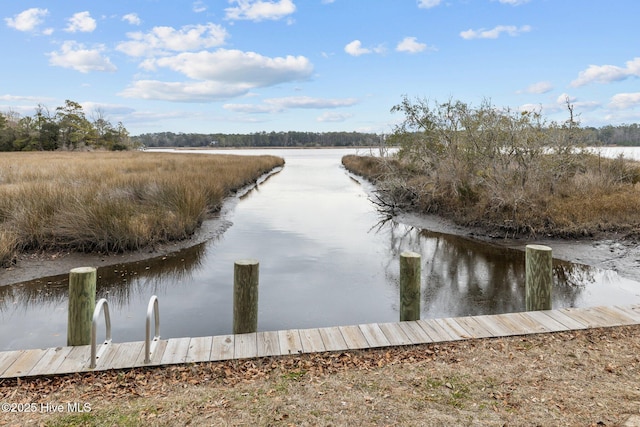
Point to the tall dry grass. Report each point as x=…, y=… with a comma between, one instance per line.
x=599, y=195
x=113, y=202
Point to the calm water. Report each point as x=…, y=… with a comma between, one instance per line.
x=326, y=259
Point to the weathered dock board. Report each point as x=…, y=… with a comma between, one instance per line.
x=63, y=360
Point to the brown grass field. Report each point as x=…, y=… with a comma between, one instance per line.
x=113, y=202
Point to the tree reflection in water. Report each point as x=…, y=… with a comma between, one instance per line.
x=464, y=277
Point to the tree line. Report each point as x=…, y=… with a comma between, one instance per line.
x=66, y=129
x=258, y=139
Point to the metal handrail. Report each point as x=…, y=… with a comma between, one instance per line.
x=149, y=346
x=94, y=323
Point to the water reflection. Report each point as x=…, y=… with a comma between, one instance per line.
x=325, y=257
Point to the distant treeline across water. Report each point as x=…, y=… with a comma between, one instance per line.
x=259, y=139
x=628, y=135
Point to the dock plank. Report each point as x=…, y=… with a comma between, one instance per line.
x=453, y=328
x=395, y=334
x=176, y=351
x=290, y=342
x=50, y=361
x=311, y=341
x=223, y=347
x=353, y=337
x=333, y=339
x=268, y=344
x=64, y=360
x=246, y=346
x=75, y=361
x=24, y=363
x=7, y=359
x=126, y=355
x=473, y=327
x=414, y=332
x=374, y=335
x=568, y=321
x=199, y=350
x=548, y=322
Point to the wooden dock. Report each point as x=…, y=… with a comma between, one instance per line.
x=64, y=360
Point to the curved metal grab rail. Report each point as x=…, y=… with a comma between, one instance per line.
x=94, y=323
x=152, y=309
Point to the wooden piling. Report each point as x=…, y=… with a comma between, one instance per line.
x=82, y=302
x=409, y=286
x=539, y=277
x=245, y=296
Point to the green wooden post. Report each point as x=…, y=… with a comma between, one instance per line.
x=539, y=277
x=409, y=286
x=82, y=302
x=245, y=296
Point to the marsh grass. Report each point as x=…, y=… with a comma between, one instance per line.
x=599, y=195
x=113, y=202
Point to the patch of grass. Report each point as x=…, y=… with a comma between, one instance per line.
x=113, y=202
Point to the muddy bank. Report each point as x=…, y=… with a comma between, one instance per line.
x=607, y=251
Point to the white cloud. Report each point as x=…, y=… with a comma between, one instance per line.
x=132, y=18
x=540, y=87
x=27, y=20
x=75, y=56
x=199, y=7
x=81, y=21
x=355, y=48
x=219, y=75
x=495, y=32
x=411, y=45
x=238, y=66
x=624, y=101
x=564, y=98
x=607, y=73
x=203, y=91
x=259, y=10
x=428, y=4
x=161, y=40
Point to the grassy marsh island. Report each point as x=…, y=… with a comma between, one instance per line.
x=113, y=201
x=509, y=173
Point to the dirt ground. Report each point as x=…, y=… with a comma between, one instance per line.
x=588, y=378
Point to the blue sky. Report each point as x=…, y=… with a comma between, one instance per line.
x=243, y=66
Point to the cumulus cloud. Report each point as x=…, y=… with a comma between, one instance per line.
x=624, y=101
x=219, y=75
x=428, y=4
x=81, y=22
x=607, y=73
x=132, y=18
x=163, y=40
x=540, y=87
x=27, y=20
x=275, y=105
x=259, y=10
x=355, y=48
x=495, y=32
x=77, y=57
x=411, y=45
x=235, y=65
